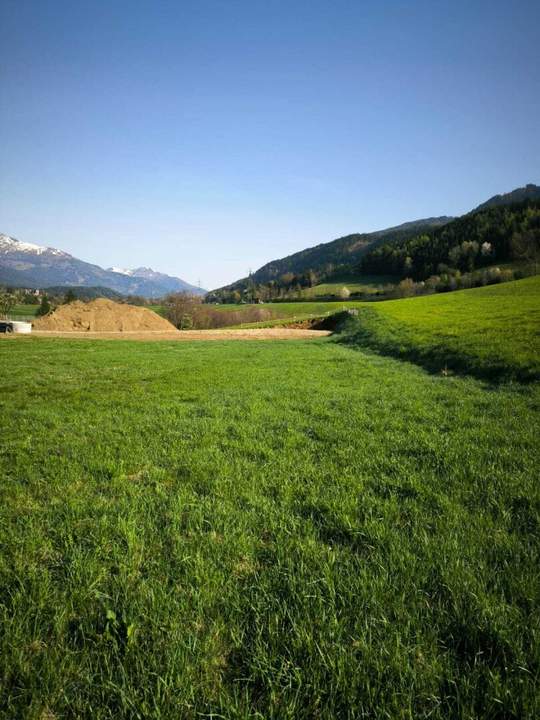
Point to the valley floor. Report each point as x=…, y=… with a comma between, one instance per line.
x=264, y=530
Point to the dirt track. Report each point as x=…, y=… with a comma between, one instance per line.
x=221, y=334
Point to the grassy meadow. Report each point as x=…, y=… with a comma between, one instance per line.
x=493, y=330
x=23, y=312
x=264, y=530
x=364, y=284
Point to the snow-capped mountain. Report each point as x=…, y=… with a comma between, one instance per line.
x=11, y=245
x=147, y=274
x=28, y=265
x=121, y=271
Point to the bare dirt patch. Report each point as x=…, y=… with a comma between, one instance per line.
x=190, y=335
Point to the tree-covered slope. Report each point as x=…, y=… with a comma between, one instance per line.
x=338, y=255
x=496, y=234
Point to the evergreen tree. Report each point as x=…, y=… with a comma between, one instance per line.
x=45, y=306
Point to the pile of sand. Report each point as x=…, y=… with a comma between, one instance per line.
x=103, y=315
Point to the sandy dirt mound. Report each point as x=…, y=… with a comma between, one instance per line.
x=103, y=315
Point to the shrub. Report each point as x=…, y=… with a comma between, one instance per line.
x=180, y=309
x=406, y=288
x=7, y=302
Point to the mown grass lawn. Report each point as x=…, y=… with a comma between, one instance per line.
x=263, y=530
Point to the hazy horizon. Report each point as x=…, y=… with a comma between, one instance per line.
x=204, y=139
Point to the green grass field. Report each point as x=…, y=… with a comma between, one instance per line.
x=266, y=530
x=25, y=312
x=365, y=284
x=159, y=309
x=491, y=330
x=333, y=289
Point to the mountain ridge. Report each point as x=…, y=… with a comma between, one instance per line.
x=329, y=257
x=345, y=253
x=37, y=266
x=527, y=192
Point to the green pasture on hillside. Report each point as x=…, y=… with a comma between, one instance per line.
x=284, y=312
x=278, y=312
x=329, y=289
x=491, y=330
x=286, y=530
x=365, y=284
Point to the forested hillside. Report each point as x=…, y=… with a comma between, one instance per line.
x=497, y=234
x=341, y=254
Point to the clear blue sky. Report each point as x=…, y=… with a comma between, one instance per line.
x=206, y=137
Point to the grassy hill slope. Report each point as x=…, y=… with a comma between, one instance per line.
x=491, y=330
x=355, y=284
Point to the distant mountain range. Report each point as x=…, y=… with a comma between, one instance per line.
x=35, y=266
x=344, y=255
